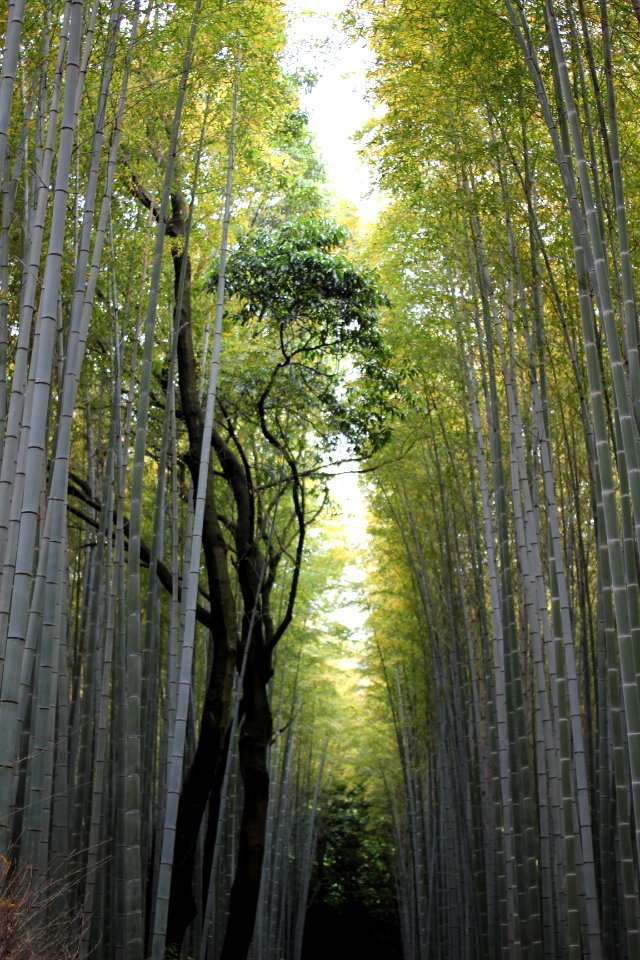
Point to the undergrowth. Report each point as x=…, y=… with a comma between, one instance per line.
x=36, y=919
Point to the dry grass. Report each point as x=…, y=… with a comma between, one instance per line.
x=36, y=922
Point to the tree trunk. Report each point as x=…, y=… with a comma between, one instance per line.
x=204, y=780
x=255, y=735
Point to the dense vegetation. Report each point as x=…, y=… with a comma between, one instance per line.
x=190, y=345
x=510, y=637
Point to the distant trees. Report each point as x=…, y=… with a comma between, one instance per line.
x=353, y=896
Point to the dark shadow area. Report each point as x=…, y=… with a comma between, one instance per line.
x=330, y=935
x=353, y=910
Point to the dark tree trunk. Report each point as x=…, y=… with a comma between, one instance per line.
x=255, y=735
x=203, y=781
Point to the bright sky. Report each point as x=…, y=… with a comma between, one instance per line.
x=337, y=108
x=338, y=105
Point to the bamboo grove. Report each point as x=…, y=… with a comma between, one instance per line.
x=157, y=174
x=189, y=346
x=508, y=635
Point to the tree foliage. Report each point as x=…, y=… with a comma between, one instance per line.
x=311, y=318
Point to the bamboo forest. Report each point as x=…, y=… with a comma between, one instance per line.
x=320, y=529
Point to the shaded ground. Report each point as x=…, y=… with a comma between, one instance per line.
x=331, y=935
x=353, y=911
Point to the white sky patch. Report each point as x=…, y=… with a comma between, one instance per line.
x=345, y=489
x=337, y=106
